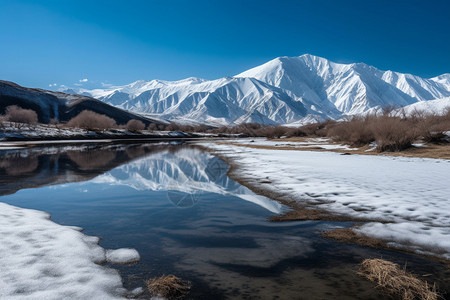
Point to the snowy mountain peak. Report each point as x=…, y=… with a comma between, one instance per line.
x=283, y=90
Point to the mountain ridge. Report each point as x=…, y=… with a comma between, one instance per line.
x=284, y=90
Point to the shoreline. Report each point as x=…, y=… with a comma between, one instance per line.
x=305, y=211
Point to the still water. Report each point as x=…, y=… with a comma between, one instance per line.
x=176, y=205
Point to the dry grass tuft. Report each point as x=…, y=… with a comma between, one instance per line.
x=396, y=281
x=168, y=286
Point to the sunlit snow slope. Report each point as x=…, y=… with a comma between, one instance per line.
x=282, y=91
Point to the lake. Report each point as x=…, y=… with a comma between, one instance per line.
x=175, y=204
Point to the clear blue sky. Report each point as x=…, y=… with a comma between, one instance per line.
x=44, y=42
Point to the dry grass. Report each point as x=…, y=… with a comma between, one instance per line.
x=395, y=281
x=347, y=235
x=168, y=286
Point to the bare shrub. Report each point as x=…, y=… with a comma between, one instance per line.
x=135, y=125
x=393, y=134
x=172, y=127
x=273, y=132
x=396, y=281
x=17, y=114
x=432, y=127
x=152, y=127
x=169, y=286
x=295, y=132
x=90, y=120
x=357, y=131
x=317, y=129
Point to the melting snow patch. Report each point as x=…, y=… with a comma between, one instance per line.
x=409, y=192
x=122, y=256
x=40, y=259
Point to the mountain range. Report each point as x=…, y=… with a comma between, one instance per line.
x=50, y=105
x=285, y=90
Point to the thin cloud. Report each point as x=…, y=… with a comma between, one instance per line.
x=106, y=84
x=83, y=80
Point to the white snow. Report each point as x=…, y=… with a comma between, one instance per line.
x=285, y=90
x=122, y=256
x=323, y=143
x=40, y=259
x=412, y=193
x=437, y=107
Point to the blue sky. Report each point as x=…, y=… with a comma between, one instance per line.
x=117, y=42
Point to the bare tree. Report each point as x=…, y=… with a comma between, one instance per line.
x=17, y=114
x=90, y=120
x=135, y=125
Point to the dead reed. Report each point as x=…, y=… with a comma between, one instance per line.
x=168, y=286
x=396, y=281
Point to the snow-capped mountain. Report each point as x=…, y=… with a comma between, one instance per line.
x=350, y=88
x=60, y=106
x=282, y=91
x=437, y=107
x=226, y=100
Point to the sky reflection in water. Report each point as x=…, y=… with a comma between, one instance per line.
x=178, y=208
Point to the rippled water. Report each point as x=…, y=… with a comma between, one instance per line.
x=177, y=207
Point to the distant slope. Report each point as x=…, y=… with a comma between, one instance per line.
x=223, y=101
x=350, y=88
x=438, y=107
x=286, y=90
x=61, y=106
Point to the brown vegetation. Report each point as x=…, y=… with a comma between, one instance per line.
x=347, y=235
x=90, y=120
x=395, y=281
x=390, y=132
x=169, y=286
x=17, y=114
x=135, y=125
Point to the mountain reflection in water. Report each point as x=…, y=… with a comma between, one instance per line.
x=178, y=208
x=183, y=171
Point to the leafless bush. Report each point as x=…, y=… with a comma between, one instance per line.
x=135, y=125
x=272, y=132
x=356, y=131
x=317, y=129
x=17, y=114
x=295, y=132
x=393, y=134
x=432, y=127
x=90, y=120
x=152, y=127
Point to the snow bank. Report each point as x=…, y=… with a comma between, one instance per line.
x=413, y=193
x=40, y=259
x=323, y=143
x=122, y=256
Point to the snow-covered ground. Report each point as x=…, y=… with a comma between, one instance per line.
x=40, y=259
x=412, y=194
x=323, y=143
